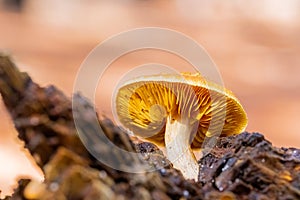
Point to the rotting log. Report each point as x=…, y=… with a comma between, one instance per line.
x=245, y=166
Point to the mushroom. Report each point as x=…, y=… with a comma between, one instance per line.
x=177, y=112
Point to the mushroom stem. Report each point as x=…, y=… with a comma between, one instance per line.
x=179, y=152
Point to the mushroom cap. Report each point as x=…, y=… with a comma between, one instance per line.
x=143, y=105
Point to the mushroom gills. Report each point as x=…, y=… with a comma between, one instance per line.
x=148, y=104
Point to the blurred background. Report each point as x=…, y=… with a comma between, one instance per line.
x=255, y=44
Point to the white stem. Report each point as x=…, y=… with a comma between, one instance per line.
x=179, y=152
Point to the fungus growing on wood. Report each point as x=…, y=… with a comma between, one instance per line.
x=176, y=111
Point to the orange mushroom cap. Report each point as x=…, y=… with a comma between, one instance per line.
x=144, y=103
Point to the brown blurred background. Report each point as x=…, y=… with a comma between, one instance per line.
x=256, y=46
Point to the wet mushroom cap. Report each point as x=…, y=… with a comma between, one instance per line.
x=143, y=104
